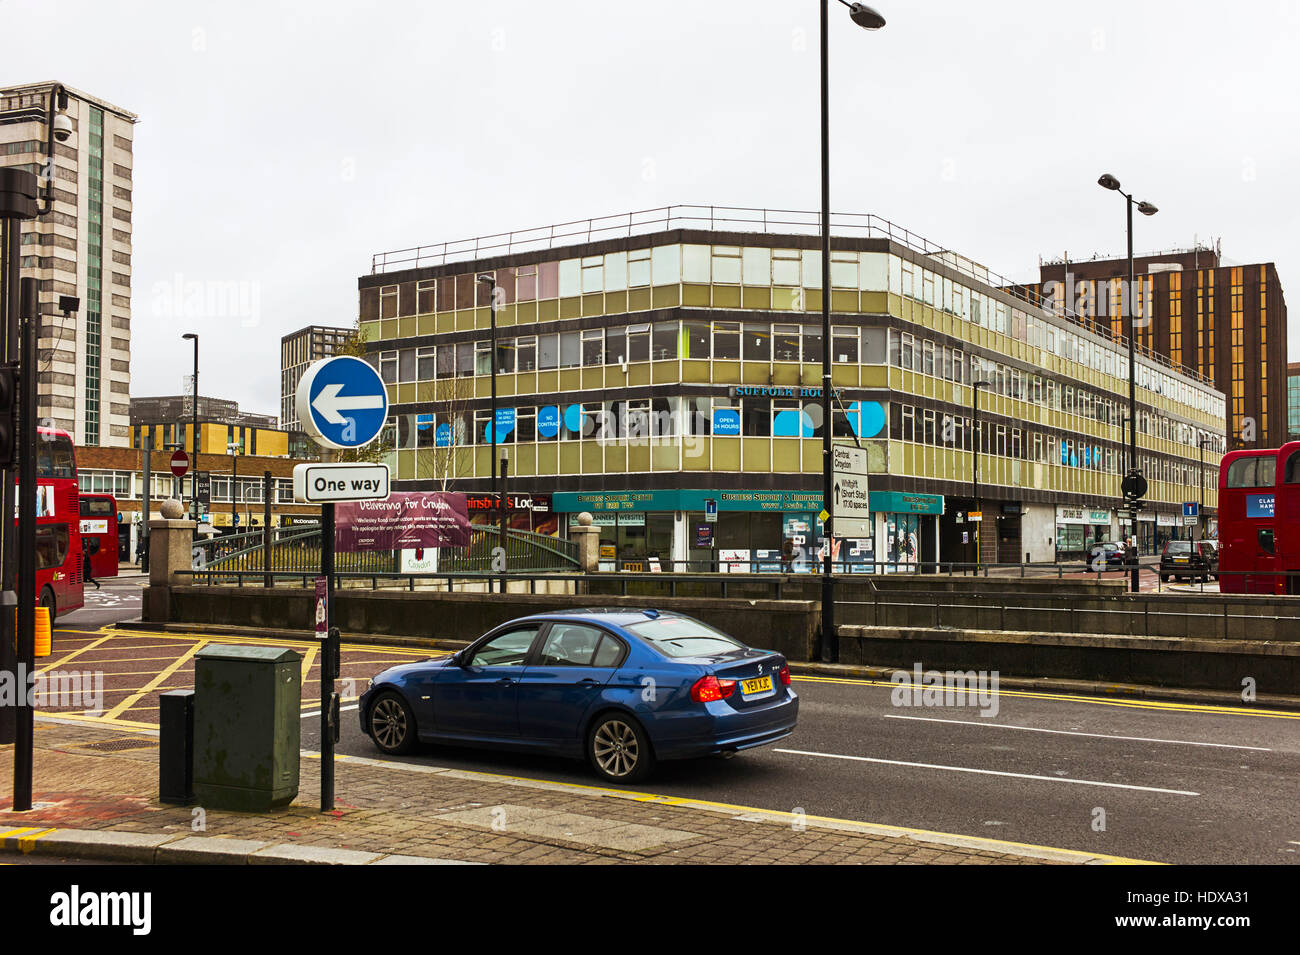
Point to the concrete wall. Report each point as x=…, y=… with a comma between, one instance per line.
x=788, y=626
x=1206, y=663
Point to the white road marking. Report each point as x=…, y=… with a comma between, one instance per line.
x=342, y=709
x=989, y=772
x=1036, y=729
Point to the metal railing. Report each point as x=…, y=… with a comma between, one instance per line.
x=738, y=219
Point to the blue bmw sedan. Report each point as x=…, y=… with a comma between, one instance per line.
x=620, y=688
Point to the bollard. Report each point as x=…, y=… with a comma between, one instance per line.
x=176, y=746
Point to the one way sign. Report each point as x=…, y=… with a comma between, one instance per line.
x=342, y=402
x=332, y=483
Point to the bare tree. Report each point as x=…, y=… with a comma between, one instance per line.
x=445, y=465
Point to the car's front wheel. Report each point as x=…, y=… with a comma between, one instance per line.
x=618, y=749
x=392, y=724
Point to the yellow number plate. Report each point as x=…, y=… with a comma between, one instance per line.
x=762, y=684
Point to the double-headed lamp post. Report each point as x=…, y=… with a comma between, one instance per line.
x=975, y=459
x=868, y=19
x=1134, y=477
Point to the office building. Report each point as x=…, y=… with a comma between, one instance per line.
x=1226, y=323
x=82, y=247
x=647, y=365
x=170, y=420
x=297, y=352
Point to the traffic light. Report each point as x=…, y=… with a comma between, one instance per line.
x=8, y=417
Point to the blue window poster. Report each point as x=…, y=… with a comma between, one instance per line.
x=548, y=421
x=726, y=421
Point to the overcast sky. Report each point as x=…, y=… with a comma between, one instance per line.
x=282, y=144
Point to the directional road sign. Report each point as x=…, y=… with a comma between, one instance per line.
x=342, y=402
x=850, y=485
x=330, y=483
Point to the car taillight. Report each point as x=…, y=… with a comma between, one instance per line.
x=709, y=689
x=785, y=674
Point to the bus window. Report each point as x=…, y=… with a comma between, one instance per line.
x=1291, y=473
x=1266, y=539
x=51, y=546
x=54, y=457
x=1252, y=472
x=96, y=507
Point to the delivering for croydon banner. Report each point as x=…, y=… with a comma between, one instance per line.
x=402, y=521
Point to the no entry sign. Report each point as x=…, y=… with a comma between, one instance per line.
x=180, y=463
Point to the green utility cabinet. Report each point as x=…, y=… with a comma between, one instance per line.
x=247, y=726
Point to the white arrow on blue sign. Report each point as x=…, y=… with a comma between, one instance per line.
x=342, y=402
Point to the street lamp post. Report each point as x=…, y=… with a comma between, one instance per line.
x=1135, y=484
x=867, y=18
x=491, y=281
x=975, y=460
x=194, y=411
x=232, y=448
x=1200, y=500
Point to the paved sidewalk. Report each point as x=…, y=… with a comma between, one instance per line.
x=96, y=796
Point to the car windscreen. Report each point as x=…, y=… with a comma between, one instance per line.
x=1179, y=547
x=683, y=637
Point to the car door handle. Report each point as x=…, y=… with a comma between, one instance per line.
x=505, y=681
x=588, y=682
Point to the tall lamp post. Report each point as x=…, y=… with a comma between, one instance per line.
x=232, y=448
x=1134, y=484
x=975, y=459
x=194, y=410
x=1200, y=500
x=490, y=280
x=868, y=19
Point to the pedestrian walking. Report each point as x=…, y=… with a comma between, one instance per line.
x=85, y=570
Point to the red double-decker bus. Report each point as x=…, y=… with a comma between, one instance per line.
x=99, y=533
x=58, y=528
x=1253, y=548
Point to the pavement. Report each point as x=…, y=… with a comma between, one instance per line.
x=96, y=798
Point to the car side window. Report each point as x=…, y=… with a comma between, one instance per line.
x=505, y=649
x=570, y=645
x=609, y=653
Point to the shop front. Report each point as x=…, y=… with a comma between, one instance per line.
x=1078, y=529
x=907, y=526
x=752, y=531
x=527, y=511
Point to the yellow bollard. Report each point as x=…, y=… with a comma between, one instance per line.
x=44, y=636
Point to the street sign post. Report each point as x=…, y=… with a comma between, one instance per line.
x=342, y=403
x=710, y=510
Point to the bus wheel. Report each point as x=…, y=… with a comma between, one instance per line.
x=47, y=601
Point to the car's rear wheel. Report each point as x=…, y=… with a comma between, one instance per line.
x=392, y=724
x=619, y=749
